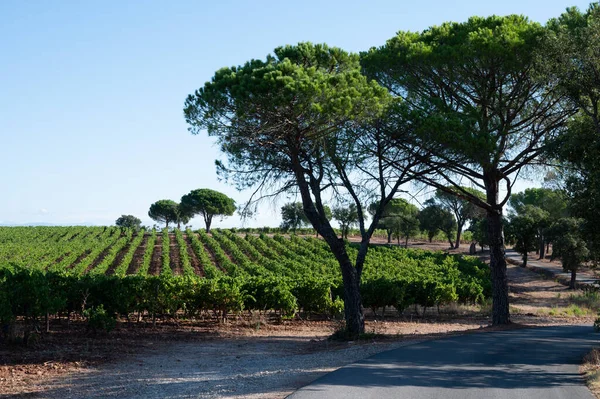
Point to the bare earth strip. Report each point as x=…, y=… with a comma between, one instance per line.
x=198, y=270
x=174, y=256
x=155, y=264
x=117, y=261
x=138, y=256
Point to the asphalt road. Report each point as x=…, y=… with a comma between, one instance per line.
x=555, y=269
x=532, y=363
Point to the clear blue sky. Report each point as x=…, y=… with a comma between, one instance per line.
x=91, y=93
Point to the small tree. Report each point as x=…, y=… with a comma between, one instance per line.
x=293, y=217
x=394, y=207
x=571, y=246
x=434, y=218
x=164, y=211
x=479, y=228
x=403, y=226
x=208, y=203
x=128, y=222
x=448, y=226
x=524, y=227
x=462, y=209
x=347, y=217
x=403, y=222
x=183, y=215
x=553, y=202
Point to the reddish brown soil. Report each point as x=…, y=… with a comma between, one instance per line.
x=119, y=258
x=79, y=258
x=198, y=269
x=60, y=258
x=138, y=256
x=211, y=255
x=174, y=256
x=63, y=236
x=98, y=259
x=228, y=255
x=155, y=264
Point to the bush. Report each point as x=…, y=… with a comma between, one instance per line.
x=99, y=319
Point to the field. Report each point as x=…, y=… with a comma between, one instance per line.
x=280, y=295
x=99, y=273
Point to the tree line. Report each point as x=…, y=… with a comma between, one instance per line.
x=541, y=217
x=467, y=104
x=203, y=201
x=445, y=213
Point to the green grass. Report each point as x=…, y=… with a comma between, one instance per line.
x=589, y=299
x=569, y=311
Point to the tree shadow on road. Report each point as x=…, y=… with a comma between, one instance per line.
x=533, y=358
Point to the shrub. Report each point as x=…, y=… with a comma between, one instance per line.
x=99, y=319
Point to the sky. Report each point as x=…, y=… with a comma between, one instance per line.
x=92, y=93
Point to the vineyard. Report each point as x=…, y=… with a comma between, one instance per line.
x=99, y=271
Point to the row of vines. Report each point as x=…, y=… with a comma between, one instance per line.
x=73, y=270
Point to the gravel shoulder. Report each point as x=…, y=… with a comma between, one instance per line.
x=244, y=368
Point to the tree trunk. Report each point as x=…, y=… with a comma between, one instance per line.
x=406, y=242
x=398, y=239
x=451, y=243
x=473, y=249
x=355, y=320
x=525, y=259
x=458, y=234
x=573, y=279
x=389, y=233
x=500, y=311
x=542, y=247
